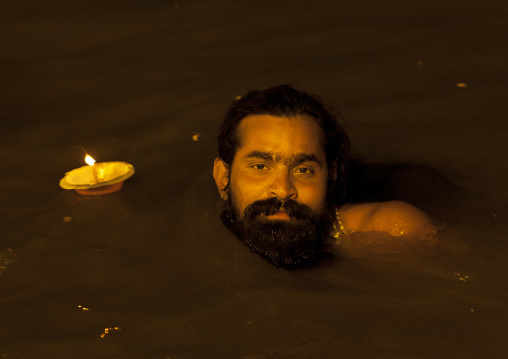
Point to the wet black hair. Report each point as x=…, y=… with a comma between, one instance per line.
x=286, y=101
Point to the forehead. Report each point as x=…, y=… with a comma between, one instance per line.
x=284, y=135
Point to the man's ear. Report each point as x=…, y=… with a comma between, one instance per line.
x=220, y=175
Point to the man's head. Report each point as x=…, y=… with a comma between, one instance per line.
x=282, y=159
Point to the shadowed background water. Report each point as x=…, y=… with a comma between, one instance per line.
x=134, y=81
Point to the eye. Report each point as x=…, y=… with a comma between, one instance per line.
x=304, y=171
x=259, y=167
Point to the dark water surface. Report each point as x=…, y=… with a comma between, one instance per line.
x=134, y=81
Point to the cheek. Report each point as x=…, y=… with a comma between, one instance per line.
x=246, y=188
x=313, y=196
x=240, y=195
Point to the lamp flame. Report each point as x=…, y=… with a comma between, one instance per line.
x=89, y=160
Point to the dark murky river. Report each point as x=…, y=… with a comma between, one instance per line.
x=150, y=272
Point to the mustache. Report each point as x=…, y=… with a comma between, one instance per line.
x=272, y=205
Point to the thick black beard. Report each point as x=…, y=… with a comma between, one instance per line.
x=288, y=244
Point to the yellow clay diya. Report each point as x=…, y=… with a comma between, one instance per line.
x=97, y=178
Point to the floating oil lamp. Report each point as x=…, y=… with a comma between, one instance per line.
x=97, y=178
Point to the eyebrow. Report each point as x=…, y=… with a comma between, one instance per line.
x=292, y=159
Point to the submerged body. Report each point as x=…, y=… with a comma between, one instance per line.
x=278, y=187
x=283, y=157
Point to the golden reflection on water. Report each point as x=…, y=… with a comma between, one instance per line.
x=462, y=277
x=7, y=257
x=109, y=330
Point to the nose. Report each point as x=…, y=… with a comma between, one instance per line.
x=282, y=186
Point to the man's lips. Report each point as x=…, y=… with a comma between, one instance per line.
x=280, y=215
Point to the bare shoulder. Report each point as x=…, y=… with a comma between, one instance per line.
x=394, y=217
